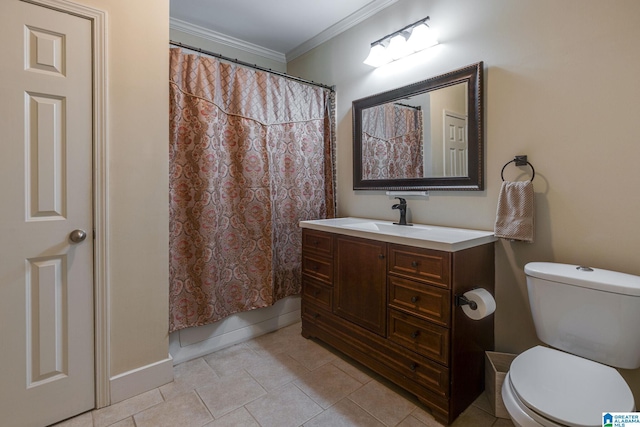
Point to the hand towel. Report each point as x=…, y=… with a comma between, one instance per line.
x=515, y=213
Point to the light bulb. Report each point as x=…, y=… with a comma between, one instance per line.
x=398, y=47
x=422, y=37
x=378, y=56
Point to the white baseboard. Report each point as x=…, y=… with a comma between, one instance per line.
x=140, y=380
x=188, y=344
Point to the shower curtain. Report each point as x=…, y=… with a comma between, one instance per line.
x=392, y=142
x=251, y=154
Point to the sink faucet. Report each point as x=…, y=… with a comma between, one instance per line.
x=402, y=206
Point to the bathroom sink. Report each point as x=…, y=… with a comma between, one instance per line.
x=420, y=235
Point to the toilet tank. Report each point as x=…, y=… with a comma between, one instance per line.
x=591, y=313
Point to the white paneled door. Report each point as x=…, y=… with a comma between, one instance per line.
x=46, y=237
x=456, y=146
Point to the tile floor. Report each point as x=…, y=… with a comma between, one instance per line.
x=277, y=380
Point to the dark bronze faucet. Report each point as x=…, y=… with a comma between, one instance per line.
x=402, y=206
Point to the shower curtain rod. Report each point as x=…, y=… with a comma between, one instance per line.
x=254, y=66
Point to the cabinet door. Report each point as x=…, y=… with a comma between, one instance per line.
x=360, y=283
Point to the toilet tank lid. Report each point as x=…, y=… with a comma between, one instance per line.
x=595, y=278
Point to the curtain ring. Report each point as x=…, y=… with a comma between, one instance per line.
x=519, y=162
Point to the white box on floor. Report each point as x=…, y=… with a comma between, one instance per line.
x=496, y=366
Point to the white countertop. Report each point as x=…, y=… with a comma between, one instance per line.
x=419, y=235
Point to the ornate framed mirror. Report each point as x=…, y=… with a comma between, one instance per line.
x=423, y=136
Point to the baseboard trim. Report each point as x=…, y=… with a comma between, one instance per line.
x=140, y=380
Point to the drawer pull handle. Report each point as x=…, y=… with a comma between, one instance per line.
x=413, y=367
x=415, y=334
x=316, y=242
x=381, y=256
x=316, y=315
x=316, y=292
x=414, y=264
x=316, y=267
x=415, y=299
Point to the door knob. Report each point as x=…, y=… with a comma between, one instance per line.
x=77, y=236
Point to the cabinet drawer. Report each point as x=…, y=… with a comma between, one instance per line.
x=318, y=242
x=421, y=336
x=317, y=293
x=312, y=313
x=426, y=301
x=425, y=372
x=420, y=264
x=317, y=267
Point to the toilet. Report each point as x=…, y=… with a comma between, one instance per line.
x=589, y=318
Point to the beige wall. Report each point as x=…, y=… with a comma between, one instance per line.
x=561, y=86
x=138, y=93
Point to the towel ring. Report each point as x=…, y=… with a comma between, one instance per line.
x=519, y=161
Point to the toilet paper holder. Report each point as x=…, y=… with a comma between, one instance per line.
x=461, y=300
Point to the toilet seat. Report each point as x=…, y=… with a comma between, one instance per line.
x=567, y=389
x=520, y=415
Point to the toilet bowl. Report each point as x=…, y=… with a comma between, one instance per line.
x=547, y=387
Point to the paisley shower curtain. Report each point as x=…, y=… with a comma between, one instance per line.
x=392, y=142
x=251, y=154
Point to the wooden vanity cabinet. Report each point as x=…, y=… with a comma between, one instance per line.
x=391, y=308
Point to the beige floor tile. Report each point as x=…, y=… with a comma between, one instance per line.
x=293, y=330
x=83, y=420
x=327, y=385
x=185, y=410
x=299, y=377
x=344, y=414
x=311, y=355
x=383, y=403
x=188, y=376
x=501, y=422
x=121, y=410
x=232, y=360
x=474, y=417
x=127, y=422
x=287, y=406
x=357, y=371
x=238, y=418
x=230, y=393
x=483, y=403
x=425, y=417
x=276, y=370
x=476, y=414
x=412, y=421
x=278, y=341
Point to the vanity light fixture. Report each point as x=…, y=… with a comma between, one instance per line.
x=404, y=42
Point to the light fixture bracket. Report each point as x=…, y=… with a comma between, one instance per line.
x=416, y=37
x=405, y=29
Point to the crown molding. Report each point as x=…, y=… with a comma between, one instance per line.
x=339, y=27
x=204, y=33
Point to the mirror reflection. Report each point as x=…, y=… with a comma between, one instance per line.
x=423, y=136
x=420, y=136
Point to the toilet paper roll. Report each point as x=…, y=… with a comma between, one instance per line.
x=485, y=301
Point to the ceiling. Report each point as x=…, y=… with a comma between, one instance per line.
x=280, y=29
